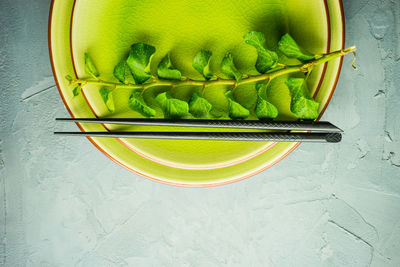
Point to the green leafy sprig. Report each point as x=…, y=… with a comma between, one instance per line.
x=134, y=72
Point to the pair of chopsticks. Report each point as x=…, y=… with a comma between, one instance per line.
x=323, y=132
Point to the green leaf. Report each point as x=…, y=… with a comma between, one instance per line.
x=139, y=61
x=173, y=108
x=236, y=111
x=166, y=70
x=255, y=39
x=264, y=108
x=305, y=108
x=288, y=46
x=69, y=79
x=199, y=106
x=267, y=59
x=122, y=72
x=77, y=90
x=201, y=63
x=106, y=95
x=90, y=68
x=298, y=88
x=302, y=104
x=137, y=103
x=229, y=69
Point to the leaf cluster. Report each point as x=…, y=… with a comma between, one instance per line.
x=135, y=69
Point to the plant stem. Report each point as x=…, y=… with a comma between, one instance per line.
x=307, y=67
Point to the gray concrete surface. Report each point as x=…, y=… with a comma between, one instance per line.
x=336, y=205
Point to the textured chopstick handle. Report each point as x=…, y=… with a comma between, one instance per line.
x=219, y=136
x=275, y=125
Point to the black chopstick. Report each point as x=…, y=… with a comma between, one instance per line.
x=218, y=136
x=321, y=126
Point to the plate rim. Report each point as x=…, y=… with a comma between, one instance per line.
x=258, y=153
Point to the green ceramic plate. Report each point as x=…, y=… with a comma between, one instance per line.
x=106, y=29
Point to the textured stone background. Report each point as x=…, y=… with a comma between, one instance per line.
x=333, y=205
